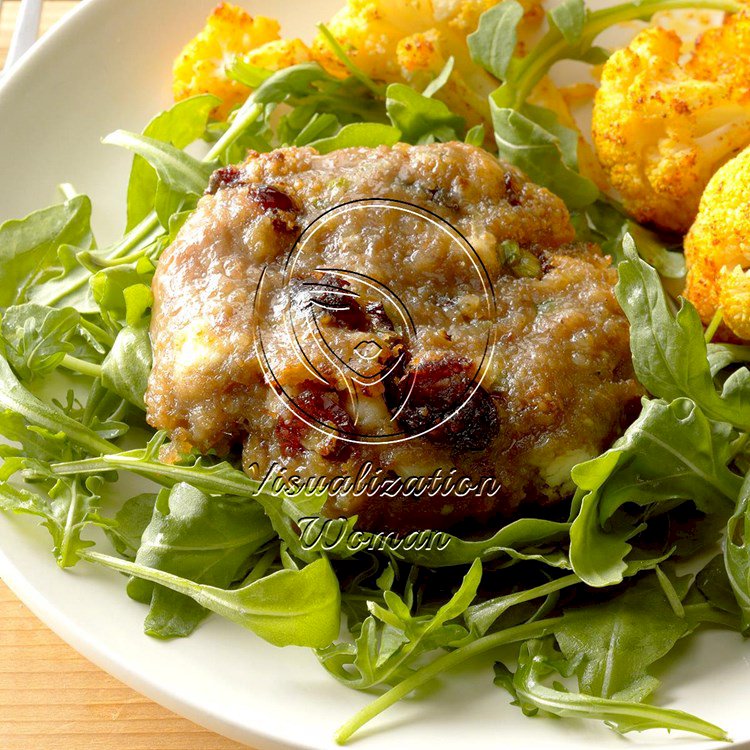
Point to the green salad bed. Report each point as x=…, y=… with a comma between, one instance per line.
x=584, y=603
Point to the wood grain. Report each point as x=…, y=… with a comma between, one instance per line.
x=52, y=12
x=50, y=696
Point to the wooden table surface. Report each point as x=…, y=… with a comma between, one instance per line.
x=51, y=697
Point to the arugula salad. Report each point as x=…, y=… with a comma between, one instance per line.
x=653, y=545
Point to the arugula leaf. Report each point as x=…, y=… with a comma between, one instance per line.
x=616, y=641
x=29, y=248
x=723, y=355
x=669, y=351
x=176, y=169
x=493, y=43
x=737, y=554
x=671, y=452
x=315, y=128
x=15, y=397
x=481, y=617
x=534, y=141
x=608, y=225
x=67, y=508
x=440, y=79
x=104, y=412
x=392, y=639
x=368, y=134
x=308, y=85
x=37, y=338
x=475, y=136
x=247, y=74
x=286, y=608
x=204, y=539
x=713, y=583
x=569, y=18
x=538, y=660
x=669, y=263
x=419, y=118
x=35, y=442
x=123, y=292
x=290, y=83
x=180, y=126
x=126, y=368
x=126, y=528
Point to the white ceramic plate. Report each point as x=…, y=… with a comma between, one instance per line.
x=108, y=67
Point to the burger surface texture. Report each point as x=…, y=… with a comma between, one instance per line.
x=414, y=311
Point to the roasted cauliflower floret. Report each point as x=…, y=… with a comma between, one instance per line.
x=279, y=54
x=231, y=32
x=717, y=250
x=662, y=128
x=396, y=42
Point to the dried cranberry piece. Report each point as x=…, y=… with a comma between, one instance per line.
x=321, y=406
x=434, y=391
x=271, y=198
x=342, y=308
x=224, y=178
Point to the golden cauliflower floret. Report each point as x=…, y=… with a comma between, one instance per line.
x=734, y=298
x=662, y=128
x=723, y=50
x=396, y=41
x=231, y=32
x=717, y=250
x=279, y=54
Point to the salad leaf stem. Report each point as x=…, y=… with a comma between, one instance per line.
x=246, y=116
x=81, y=366
x=67, y=191
x=69, y=539
x=354, y=70
x=480, y=617
x=220, y=479
x=713, y=326
x=444, y=663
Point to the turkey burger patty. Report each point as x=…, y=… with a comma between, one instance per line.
x=414, y=311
